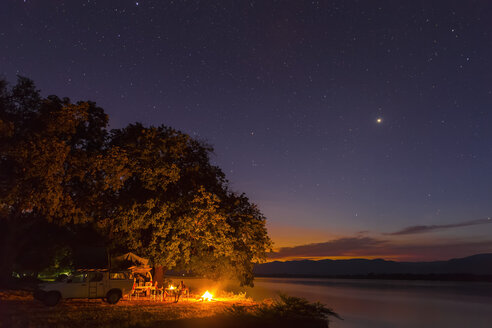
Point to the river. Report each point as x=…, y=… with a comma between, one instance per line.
x=389, y=303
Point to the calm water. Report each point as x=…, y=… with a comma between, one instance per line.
x=384, y=303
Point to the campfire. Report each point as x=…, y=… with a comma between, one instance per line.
x=206, y=296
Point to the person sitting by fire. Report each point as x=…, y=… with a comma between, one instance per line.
x=170, y=290
x=182, y=289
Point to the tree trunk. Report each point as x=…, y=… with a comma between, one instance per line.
x=159, y=272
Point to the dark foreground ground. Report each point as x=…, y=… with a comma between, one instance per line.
x=19, y=309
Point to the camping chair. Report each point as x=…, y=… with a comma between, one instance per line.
x=133, y=294
x=184, y=292
x=156, y=293
x=169, y=293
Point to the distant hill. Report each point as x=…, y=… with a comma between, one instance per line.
x=480, y=264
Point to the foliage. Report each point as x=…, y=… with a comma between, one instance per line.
x=53, y=167
x=286, y=307
x=175, y=207
x=295, y=307
x=150, y=190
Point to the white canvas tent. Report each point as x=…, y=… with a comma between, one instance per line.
x=132, y=258
x=133, y=262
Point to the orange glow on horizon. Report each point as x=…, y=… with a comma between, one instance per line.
x=396, y=257
x=292, y=236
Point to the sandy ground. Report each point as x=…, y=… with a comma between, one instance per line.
x=19, y=309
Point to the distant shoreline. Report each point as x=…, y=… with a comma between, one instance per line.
x=397, y=276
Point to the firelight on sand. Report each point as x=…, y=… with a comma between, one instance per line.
x=207, y=296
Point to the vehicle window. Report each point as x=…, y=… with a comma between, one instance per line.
x=78, y=277
x=119, y=275
x=95, y=276
x=116, y=275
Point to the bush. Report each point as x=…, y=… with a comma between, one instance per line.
x=285, y=308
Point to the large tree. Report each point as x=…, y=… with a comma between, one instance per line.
x=175, y=207
x=150, y=190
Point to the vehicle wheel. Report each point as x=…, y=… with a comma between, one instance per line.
x=113, y=297
x=39, y=295
x=51, y=298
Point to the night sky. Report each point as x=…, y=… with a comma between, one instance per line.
x=360, y=128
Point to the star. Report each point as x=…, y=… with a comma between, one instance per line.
x=379, y=120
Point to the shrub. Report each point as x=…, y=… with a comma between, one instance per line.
x=286, y=307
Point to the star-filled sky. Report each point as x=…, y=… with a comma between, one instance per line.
x=360, y=128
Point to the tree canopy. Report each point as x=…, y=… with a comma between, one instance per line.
x=150, y=190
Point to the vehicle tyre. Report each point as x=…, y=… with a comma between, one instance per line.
x=39, y=295
x=113, y=296
x=51, y=298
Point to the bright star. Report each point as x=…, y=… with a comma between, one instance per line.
x=379, y=120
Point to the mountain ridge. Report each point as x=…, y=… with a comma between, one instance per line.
x=478, y=264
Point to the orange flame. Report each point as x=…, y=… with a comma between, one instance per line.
x=207, y=296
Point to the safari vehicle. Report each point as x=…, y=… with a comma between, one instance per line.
x=103, y=284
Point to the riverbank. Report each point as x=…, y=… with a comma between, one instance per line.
x=19, y=309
